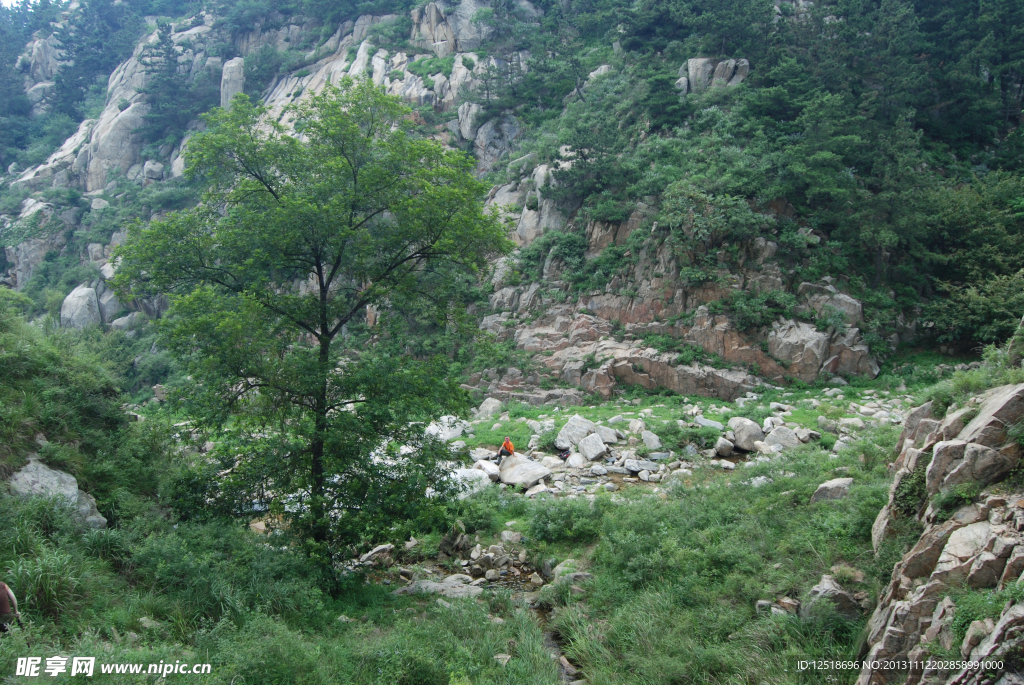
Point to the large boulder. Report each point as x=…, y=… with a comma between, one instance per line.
x=232, y=80
x=81, y=308
x=467, y=120
x=116, y=142
x=783, y=437
x=488, y=408
x=575, y=429
x=472, y=481
x=522, y=472
x=837, y=488
x=36, y=479
x=455, y=587
x=958, y=462
x=700, y=71
x=848, y=355
x=801, y=346
x=25, y=257
x=747, y=433
x=592, y=447
x=821, y=298
x=109, y=305
x=488, y=467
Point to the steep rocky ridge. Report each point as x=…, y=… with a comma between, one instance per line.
x=978, y=545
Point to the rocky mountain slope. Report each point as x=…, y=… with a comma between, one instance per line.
x=587, y=346
x=738, y=308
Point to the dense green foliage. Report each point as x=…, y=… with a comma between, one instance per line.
x=44, y=391
x=898, y=152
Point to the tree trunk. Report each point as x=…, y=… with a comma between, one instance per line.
x=318, y=507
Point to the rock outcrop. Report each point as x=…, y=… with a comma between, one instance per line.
x=232, y=80
x=980, y=544
x=36, y=479
x=700, y=73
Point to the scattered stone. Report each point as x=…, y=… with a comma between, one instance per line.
x=536, y=580
x=502, y=658
x=637, y=465
x=576, y=461
x=837, y=488
x=708, y=423
x=723, y=447
x=609, y=436
x=747, y=433
x=652, y=441
x=829, y=590
x=511, y=537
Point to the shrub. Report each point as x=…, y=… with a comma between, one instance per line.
x=425, y=68
x=911, y=493
x=754, y=311
x=565, y=520
x=947, y=502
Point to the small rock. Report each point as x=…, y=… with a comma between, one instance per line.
x=828, y=589
x=837, y=488
x=511, y=537
x=723, y=447
x=652, y=441
x=502, y=658
x=492, y=574
x=708, y=423
x=536, y=580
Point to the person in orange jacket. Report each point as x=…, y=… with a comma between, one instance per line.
x=507, y=448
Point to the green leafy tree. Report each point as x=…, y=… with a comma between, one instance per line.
x=294, y=240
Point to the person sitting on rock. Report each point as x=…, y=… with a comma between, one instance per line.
x=507, y=449
x=8, y=607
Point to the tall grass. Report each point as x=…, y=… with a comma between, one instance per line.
x=50, y=584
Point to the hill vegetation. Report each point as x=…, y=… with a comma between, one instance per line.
x=264, y=433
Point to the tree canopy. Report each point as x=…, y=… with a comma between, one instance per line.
x=295, y=238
